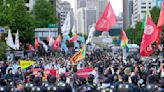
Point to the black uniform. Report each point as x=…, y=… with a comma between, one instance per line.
x=51, y=86
x=125, y=86
x=90, y=84
x=151, y=86
x=62, y=85
x=28, y=86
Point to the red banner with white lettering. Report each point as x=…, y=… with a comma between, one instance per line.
x=83, y=73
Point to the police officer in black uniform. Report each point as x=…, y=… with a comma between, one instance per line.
x=37, y=85
x=107, y=84
x=150, y=86
x=52, y=86
x=135, y=83
x=30, y=84
x=92, y=85
x=125, y=86
x=161, y=86
x=83, y=87
x=3, y=87
x=62, y=85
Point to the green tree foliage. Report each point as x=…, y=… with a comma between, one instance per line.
x=44, y=13
x=138, y=32
x=14, y=15
x=22, y=21
x=155, y=12
x=2, y=50
x=5, y=14
x=130, y=34
x=135, y=34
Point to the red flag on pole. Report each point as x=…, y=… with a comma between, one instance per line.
x=56, y=42
x=161, y=17
x=36, y=43
x=149, y=36
x=107, y=19
x=160, y=24
x=159, y=35
x=74, y=38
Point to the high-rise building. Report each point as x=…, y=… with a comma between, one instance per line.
x=65, y=8
x=101, y=7
x=139, y=9
x=85, y=19
x=127, y=13
x=89, y=5
x=57, y=7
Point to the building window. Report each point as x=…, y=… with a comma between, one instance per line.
x=143, y=3
x=149, y=2
x=143, y=7
x=149, y=7
x=143, y=11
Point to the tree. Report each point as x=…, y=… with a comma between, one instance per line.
x=5, y=12
x=2, y=50
x=130, y=34
x=22, y=20
x=135, y=34
x=155, y=12
x=138, y=32
x=44, y=13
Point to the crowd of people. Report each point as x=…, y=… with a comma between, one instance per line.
x=109, y=75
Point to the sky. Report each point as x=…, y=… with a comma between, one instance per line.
x=116, y=4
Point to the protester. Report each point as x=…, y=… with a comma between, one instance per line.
x=19, y=86
x=108, y=73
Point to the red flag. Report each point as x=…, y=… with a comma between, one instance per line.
x=159, y=35
x=56, y=42
x=36, y=43
x=149, y=36
x=160, y=24
x=107, y=19
x=74, y=38
x=161, y=17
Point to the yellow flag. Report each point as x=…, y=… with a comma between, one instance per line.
x=78, y=56
x=24, y=63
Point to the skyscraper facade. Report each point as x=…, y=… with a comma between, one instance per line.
x=87, y=7
x=127, y=13
x=65, y=8
x=86, y=17
x=139, y=9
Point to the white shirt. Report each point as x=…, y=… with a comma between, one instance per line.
x=96, y=80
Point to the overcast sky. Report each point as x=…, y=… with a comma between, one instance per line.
x=116, y=4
